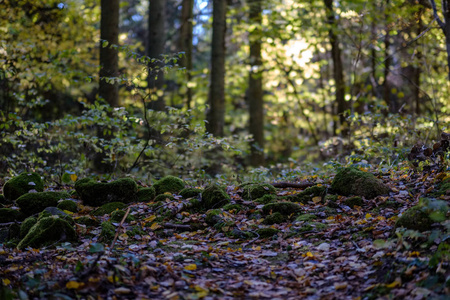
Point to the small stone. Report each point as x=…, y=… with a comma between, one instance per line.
x=324, y=247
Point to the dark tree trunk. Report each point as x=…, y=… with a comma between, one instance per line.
x=387, y=65
x=109, y=59
x=216, y=98
x=445, y=26
x=338, y=71
x=255, y=92
x=186, y=44
x=155, y=47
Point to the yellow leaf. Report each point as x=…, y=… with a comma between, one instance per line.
x=316, y=199
x=257, y=248
x=191, y=267
x=368, y=216
x=68, y=212
x=149, y=219
x=340, y=285
x=396, y=283
x=155, y=226
x=6, y=281
x=74, y=284
x=309, y=254
x=73, y=177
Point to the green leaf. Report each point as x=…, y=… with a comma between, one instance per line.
x=96, y=247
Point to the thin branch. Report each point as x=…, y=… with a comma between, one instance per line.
x=436, y=16
x=119, y=228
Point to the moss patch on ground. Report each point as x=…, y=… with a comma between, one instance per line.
x=354, y=201
x=252, y=191
x=108, y=208
x=284, y=208
x=33, y=203
x=169, y=184
x=267, y=232
x=22, y=184
x=275, y=218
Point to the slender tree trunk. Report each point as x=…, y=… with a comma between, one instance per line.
x=387, y=65
x=216, y=98
x=417, y=69
x=109, y=59
x=186, y=36
x=255, y=92
x=155, y=47
x=338, y=71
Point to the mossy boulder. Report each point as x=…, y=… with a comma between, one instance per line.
x=354, y=201
x=98, y=193
x=68, y=205
x=284, y=208
x=268, y=198
x=352, y=181
x=48, y=231
x=87, y=221
x=54, y=211
x=267, y=232
x=213, y=217
x=275, y=218
x=146, y=194
x=415, y=218
x=232, y=207
x=307, y=195
x=26, y=226
x=214, y=196
x=22, y=184
x=169, y=184
x=252, y=191
x=10, y=215
x=108, y=208
x=164, y=197
x=190, y=192
x=305, y=218
x=117, y=216
x=33, y=203
x=108, y=232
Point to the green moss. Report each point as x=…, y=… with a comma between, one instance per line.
x=21, y=184
x=164, y=197
x=108, y=232
x=305, y=218
x=267, y=232
x=10, y=215
x=351, y=181
x=331, y=198
x=26, y=226
x=87, y=220
x=68, y=205
x=328, y=211
x=48, y=231
x=117, y=216
x=275, y=218
x=268, y=198
x=190, y=192
x=169, y=184
x=415, y=218
x=108, y=208
x=230, y=206
x=253, y=191
x=146, y=194
x=98, y=193
x=213, y=217
x=33, y=203
x=214, y=197
x=54, y=211
x=390, y=204
x=135, y=230
x=284, y=208
x=354, y=201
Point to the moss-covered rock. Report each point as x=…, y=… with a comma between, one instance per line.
x=351, y=181
x=68, y=205
x=48, y=231
x=214, y=197
x=268, y=198
x=21, y=184
x=108, y=208
x=284, y=208
x=190, y=192
x=267, y=232
x=26, y=226
x=98, y=193
x=117, y=216
x=275, y=218
x=213, y=217
x=33, y=203
x=354, y=201
x=10, y=215
x=164, y=197
x=108, y=232
x=87, y=220
x=235, y=207
x=146, y=194
x=54, y=211
x=252, y=191
x=169, y=184
x=415, y=218
x=308, y=194
x=305, y=218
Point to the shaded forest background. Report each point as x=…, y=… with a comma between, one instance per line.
x=205, y=89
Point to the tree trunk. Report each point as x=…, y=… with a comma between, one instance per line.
x=417, y=70
x=255, y=92
x=387, y=65
x=186, y=36
x=338, y=71
x=155, y=47
x=109, y=59
x=216, y=98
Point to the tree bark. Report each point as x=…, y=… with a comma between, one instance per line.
x=155, y=47
x=445, y=26
x=338, y=71
x=216, y=98
x=255, y=91
x=186, y=36
x=387, y=65
x=109, y=59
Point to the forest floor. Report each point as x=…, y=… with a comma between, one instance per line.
x=356, y=254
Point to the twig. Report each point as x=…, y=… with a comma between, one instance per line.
x=118, y=229
x=9, y=223
x=436, y=16
x=302, y=185
x=177, y=226
x=253, y=240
